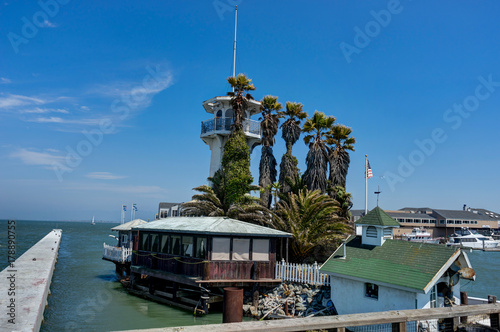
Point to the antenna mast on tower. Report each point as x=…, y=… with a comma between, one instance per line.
x=234, y=46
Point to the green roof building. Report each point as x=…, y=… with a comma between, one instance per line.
x=374, y=272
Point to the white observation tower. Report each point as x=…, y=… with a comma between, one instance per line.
x=215, y=131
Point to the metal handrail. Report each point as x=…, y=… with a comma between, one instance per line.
x=225, y=125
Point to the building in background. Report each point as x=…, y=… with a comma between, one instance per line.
x=439, y=222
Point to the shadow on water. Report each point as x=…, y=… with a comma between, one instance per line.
x=108, y=277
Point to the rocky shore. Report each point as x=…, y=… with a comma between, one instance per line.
x=290, y=300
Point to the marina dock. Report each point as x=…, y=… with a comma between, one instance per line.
x=24, y=284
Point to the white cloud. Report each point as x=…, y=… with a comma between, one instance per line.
x=55, y=119
x=137, y=96
x=4, y=80
x=10, y=101
x=39, y=110
x=48, y=24
x=104, y=176
x=49, y=160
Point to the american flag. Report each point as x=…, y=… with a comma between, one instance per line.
x=369, y=173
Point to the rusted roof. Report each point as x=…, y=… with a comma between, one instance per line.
x=210, y=225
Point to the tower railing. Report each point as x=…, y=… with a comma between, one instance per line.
x=224, y=125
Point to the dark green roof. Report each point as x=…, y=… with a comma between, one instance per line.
x=400, y=263
x=377, y=217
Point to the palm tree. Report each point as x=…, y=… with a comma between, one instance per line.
x=290, y=132
x=315, y=175
x=269, y=125
x=344, y=200
x=240, y=85
x=311, y=218
x=212, y=202
x=338, y=157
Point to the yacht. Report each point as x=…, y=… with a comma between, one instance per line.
x=473, y=240
x=419, y=235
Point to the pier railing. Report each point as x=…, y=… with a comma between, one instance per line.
x=117, y=254
x=304, y=273
x=396, y=320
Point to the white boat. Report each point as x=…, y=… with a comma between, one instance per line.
x=419, y=235
x=472, y=240
x=93, y=222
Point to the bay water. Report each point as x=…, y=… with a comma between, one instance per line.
x=86, y=296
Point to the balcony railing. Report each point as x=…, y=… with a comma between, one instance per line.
x=225, y=124
x=117, y=254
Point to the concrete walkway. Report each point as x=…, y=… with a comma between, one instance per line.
x=24, y=285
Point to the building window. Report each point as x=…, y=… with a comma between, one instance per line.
x=371, y=290
x=241, y=250
x=124, y=239
x=441, y=222
x=176, y=245
x=388, y=232
x=145, y=242
x=201, y=247
x=371, y=231
x=164, y=244
x=260, y=250
x=433, y=297
x=154, y=242
x=187, y=246
x=220, y=248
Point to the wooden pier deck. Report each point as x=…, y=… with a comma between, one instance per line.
x=24, y=285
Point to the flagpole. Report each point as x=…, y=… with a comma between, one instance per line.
x=366, y=184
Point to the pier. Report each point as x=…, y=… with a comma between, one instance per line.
x=24, y=284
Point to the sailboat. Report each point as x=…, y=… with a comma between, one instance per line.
x=93, y=222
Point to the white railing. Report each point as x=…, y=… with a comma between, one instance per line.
x=117, y=254
x=305, y=273
x=225, y=125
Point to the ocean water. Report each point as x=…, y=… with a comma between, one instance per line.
x=86, y=296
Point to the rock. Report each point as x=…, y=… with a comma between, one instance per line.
x=253, y=311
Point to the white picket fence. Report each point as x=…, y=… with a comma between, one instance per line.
x=305, y=273
x=117, y=254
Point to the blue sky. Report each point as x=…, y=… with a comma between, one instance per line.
x=100, y=102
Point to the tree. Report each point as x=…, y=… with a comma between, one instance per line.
x=212, y=202
x=241, y=85
x=236, y=155
x=315, y=175
x=236, y=168
x=311, y=218
x=290, y=132
x=269, y=126
x=338, y=156
x=344, y=200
